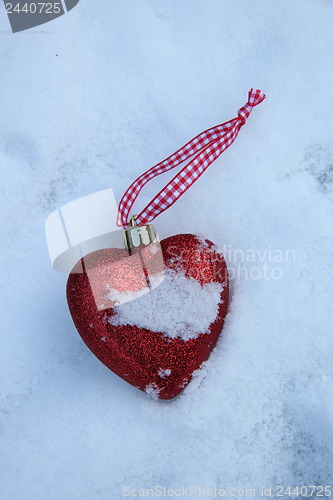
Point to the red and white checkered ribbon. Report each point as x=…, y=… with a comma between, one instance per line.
x=207, y=146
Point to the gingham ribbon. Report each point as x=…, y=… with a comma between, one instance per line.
x=207, y=146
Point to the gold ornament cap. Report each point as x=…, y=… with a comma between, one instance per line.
x=135, y=235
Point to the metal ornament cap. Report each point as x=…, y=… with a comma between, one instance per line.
x=134, y=235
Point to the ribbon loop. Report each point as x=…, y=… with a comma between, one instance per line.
x=255, y=97
x=207, y=147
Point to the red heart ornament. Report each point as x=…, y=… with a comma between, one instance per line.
x=150, y=360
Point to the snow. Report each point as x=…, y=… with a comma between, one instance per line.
x=116, y=297
x=133, y=81
x=152, y=390
x=164, y=372
x=178, y=307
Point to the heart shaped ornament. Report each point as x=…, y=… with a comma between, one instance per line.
x=151, y=312
x=155, y=341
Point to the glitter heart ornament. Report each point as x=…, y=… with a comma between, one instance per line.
x=159, y=352
x=151, y=324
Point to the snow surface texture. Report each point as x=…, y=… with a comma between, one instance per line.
x=91, y=101
x=178, y=307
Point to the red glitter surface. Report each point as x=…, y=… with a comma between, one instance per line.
x=139, y=355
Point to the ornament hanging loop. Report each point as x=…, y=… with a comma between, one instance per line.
x=204, y=149
x=132, y=221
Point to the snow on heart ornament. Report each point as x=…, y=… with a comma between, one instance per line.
x=150, y=310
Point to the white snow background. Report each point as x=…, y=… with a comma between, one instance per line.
x=90, y=101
